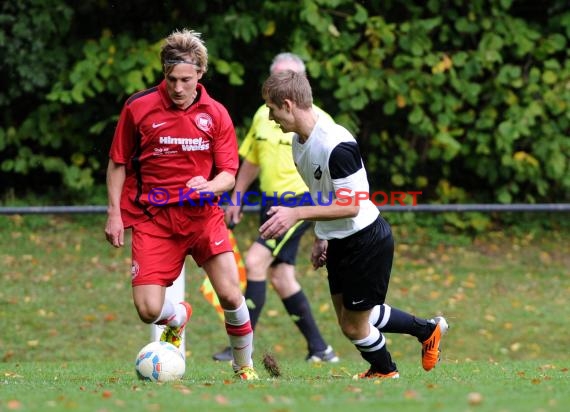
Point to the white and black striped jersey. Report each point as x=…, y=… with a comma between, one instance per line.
x=329, y=161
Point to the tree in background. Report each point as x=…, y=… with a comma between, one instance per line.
x=466, y=101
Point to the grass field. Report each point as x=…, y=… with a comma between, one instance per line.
x=70, y=332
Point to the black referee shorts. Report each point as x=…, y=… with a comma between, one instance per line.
x=284, y=248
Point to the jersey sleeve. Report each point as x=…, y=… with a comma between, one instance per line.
x=123, y=142
x=345, y=160
x=345, y=166
x=225, y=145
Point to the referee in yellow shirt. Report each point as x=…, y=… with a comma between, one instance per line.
x=266, y=153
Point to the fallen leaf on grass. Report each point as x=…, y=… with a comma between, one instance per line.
x=278, y=348
x=515, y=347
x=269, y=399
x=411, y=394
x=545, y=257
x=14, y=404
x=474, y=398
x=272, y=313
x=546, y=367
x=221, y=400
x=324, y=308
x=183, y=389
x=109, y=317
x=434, y=294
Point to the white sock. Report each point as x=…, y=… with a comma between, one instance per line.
x=172, y=314
x=166, y=314
x=380, y=315
x=240, y=333
x=374, y=315
x=180, y=315
x=373, y=342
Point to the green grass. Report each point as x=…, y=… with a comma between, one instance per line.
x=70, y=332
x=88, y=386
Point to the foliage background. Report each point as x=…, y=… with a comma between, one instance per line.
x=466, y=101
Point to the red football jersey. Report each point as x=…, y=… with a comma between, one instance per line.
x=163, y=147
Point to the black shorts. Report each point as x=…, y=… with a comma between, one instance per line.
x=284, y=248
x=359, y=266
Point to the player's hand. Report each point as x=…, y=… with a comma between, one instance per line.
x=319, y=253
x=115, y=231
x=281, y=220
x=199, y=184
x=232, y=215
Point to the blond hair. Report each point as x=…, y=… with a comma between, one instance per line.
x=184, y=47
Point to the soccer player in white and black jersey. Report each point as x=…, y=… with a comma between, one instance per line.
x=352, y=239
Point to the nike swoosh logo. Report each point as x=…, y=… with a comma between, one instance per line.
x=357, y=302
x=219, y=242
x=240, y=347
x=155, y=125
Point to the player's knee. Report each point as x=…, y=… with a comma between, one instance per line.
x=148, y=314
x=257, y=266
x=350, y=330
x=278, y=280
x=254, y=269
x=285, y=285
x=230, y=298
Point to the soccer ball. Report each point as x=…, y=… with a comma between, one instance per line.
x=160, y=362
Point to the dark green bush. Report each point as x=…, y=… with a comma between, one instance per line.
x=465, y=101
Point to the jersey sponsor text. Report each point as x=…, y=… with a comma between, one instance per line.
x=187, y=144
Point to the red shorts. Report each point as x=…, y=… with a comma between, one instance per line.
x=160, y=245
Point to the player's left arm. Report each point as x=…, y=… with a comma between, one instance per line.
x=222, y=182
x=226, y=159
x=283, y=218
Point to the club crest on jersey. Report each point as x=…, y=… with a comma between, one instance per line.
x=203, y=121
x=318, y=173
x=135, y=268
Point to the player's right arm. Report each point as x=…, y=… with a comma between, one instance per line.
x=114, y=229
x=247, y=173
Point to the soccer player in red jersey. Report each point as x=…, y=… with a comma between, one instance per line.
x=174, y=151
